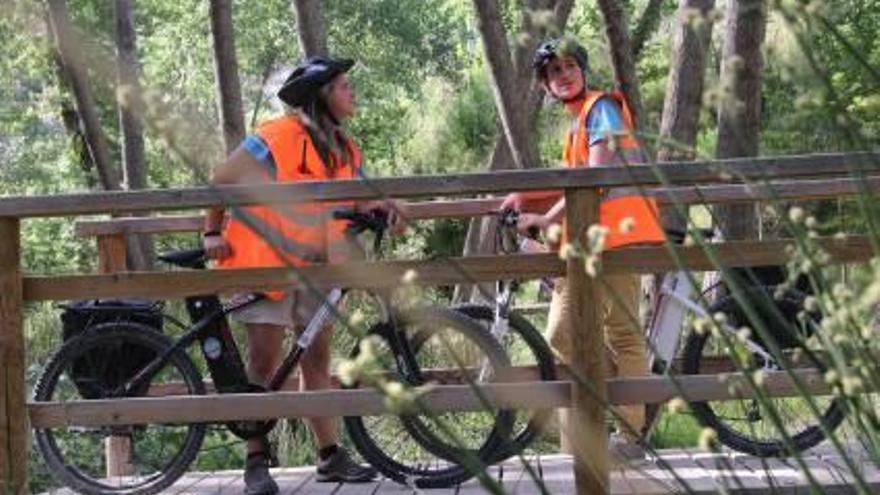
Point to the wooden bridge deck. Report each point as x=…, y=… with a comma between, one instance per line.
x=699, y=473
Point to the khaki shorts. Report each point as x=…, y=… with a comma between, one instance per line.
x=294, y=310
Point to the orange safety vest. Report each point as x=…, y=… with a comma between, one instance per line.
x=612, y=211
x=295, y=234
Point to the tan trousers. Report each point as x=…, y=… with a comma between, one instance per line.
x=625, y=344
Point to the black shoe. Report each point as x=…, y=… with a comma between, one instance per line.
x=257, y=480
x=340, y=468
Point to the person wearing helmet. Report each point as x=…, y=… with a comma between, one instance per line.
x=307, y=143
x=600, y=134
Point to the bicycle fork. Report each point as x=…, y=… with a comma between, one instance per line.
x=500, y=322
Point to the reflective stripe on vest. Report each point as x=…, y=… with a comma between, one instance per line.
x=294, y=234
x=617, y=208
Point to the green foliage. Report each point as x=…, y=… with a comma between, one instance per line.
x=425, y=107
x=453, y=129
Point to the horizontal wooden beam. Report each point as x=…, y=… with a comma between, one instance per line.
x=732, y=171
x=522, y=395
x=733, y=193
x=447, y=271
x=193, y=223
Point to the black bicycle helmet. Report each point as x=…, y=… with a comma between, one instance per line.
x=551, y=49
x=302, y=85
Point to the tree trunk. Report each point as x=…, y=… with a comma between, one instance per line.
x=504, y=83
x=684, y=91
x=739, y=113
x=134, y=169
x=74, y=69
x=646, y=26
x=478, y=239
x=310, y=26
x=617, y=35
x=226, y=71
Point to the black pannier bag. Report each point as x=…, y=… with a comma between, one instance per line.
x=104, y=368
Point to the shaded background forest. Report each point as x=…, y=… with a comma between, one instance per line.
x=424, y=88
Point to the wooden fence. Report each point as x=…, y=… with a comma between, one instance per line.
x=816, y=176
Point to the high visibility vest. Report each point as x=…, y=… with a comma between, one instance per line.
x=293, y=233
x=621, y=204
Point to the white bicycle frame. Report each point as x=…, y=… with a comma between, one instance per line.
x=677, y=297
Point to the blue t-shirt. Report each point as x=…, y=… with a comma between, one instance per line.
x=257, y=148
x=604, y=120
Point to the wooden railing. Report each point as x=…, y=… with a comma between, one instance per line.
x=719, y=181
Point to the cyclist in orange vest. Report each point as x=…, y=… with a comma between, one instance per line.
x=600, y=134
x=307, y=143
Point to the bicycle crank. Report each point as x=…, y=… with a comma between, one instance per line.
x=247, y=430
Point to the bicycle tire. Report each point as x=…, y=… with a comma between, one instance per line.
x=429, y=461
x=77, y=461
x=752, y=437
x=541, y=357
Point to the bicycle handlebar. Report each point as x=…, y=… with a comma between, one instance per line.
x=508, y=218
x=375, y=220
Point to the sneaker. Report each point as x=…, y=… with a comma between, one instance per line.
x=257, y=480
x=340, y=468
x=623, y=449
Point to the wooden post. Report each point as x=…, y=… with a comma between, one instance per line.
x=112, y=259
x=588, y=440
x=13, y=404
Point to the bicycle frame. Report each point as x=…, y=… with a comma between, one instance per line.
x=404, y=357
x=663, y=334
x=197, y=331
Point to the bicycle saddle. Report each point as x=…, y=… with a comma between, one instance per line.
x=185, y=258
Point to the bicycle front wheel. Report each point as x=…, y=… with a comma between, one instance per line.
x=753, y=426
x=94, y=366
x=435, y=450
x=532, y=360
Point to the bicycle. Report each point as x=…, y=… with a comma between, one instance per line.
x=84, y=368
x=531, y=355
x=744, y=425
x=679, y=302
x=522, y=342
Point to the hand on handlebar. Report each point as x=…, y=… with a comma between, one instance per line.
x=513, y=201
x=531, y=224
x=395, y=211
x=216, y=247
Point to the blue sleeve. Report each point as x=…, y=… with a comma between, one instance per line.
x=604, y=121
x=257, y=148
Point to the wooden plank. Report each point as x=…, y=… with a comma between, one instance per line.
x=195, y=223
x=328, y=403
x=13, y=409
x=802, y=190
x=731, y=170
x=112, y=259
x=355, y=275
x=728, y=476
x=587, y=434
x=111, y=253
x=447, y=271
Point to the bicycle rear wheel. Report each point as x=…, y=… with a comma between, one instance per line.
x=431, y=450
x=748, y=425
x=533, y=361
x=87, y=368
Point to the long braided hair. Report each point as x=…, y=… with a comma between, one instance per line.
x=328, y=136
